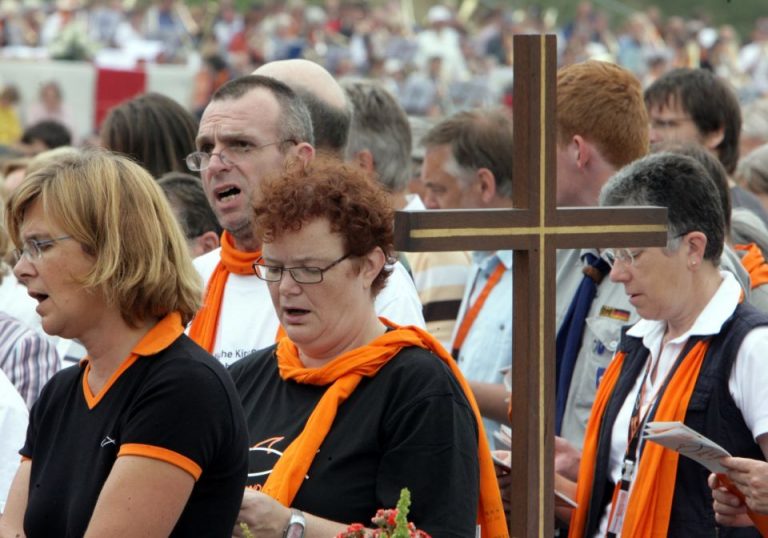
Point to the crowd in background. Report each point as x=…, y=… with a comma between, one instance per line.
x=444, y=62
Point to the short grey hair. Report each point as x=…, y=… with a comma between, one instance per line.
x=380, y=125
x=679, y=183
x=295, y=122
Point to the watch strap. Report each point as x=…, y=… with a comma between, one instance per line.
x=297, y=524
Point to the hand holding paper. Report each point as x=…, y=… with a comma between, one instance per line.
x=680, y=438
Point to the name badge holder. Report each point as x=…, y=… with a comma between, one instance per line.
x=640, y=414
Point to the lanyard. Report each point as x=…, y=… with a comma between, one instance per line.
x=474, y=310
x=638, y=419
x=620, y=498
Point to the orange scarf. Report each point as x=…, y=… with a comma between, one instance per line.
x=754, y=262
x=343, y=375
x=650, y=501
x=203, y=327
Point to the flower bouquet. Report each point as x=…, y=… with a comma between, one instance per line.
x=390, y=523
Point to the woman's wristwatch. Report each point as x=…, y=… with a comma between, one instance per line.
x=296, y=525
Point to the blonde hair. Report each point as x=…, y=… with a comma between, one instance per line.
x=118, y=214
x=44, y=157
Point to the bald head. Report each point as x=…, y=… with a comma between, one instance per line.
x=325, y=98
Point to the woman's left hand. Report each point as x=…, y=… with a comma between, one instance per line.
x=264, y=516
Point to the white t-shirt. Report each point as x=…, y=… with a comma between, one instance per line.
x=748, y=383
x=247, y=321
x=13, y=425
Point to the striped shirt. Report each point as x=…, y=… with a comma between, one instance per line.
x=27, y=358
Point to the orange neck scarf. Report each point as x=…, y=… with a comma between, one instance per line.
x=754, y=262
x=650, y=501
x=203, y=327
x=343, y=375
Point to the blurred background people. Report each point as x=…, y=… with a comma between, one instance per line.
x=44, y=135
x=752, y=173
x=197, y=220
x=152, y=129
x=10, y=125
x=380, y=142
x=50, y=105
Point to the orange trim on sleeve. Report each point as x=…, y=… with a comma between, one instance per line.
x=162, y=454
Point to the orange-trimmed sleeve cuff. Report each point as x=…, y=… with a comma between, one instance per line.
x=162, y=454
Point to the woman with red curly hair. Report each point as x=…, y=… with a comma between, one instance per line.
x=349, y=408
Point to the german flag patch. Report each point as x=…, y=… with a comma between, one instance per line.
x=614, y=313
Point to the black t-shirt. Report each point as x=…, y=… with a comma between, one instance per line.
x=408, y=426
x=181, y=400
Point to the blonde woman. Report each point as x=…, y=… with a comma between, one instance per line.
x=146, y=436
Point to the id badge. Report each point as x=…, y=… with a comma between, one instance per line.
x=617, y=513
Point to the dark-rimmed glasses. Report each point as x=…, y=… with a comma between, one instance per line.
x=302, y=275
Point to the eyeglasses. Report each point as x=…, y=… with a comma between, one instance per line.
x=627, y=256
x=32, y=249
x=623, y=255
x=302, y=275
x=200, y=160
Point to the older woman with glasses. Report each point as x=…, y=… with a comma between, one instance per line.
x=146, y=437
x=696, y=356
x=349, y=408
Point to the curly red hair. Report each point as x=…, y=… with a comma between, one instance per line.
x=355, y=205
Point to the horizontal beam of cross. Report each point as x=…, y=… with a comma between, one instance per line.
x=512, y=229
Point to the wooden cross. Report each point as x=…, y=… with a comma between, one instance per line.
x=534, y=230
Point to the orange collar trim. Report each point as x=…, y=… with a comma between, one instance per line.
x=159, y=337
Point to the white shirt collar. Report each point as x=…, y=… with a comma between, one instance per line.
x=487, y=260
x=413, y=203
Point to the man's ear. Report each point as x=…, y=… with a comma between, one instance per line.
x=208, y=241
x=305, y=151
x=204, y=243
x=364, y=158
x=486, y=184
x=713, y=139
x=582, y=150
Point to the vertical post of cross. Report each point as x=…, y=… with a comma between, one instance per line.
x=534, y=188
